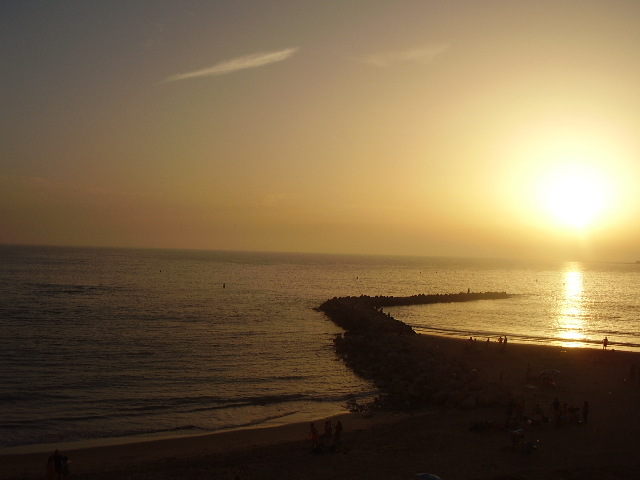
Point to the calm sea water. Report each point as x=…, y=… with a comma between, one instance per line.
x=101, y=343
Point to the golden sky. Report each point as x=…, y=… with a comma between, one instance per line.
x=439, y=128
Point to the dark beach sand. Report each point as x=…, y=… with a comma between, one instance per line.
x=397, y=445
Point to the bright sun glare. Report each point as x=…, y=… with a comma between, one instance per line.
x=574, y=197
x=568, y=180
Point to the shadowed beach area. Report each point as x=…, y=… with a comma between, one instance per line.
x=443, y=427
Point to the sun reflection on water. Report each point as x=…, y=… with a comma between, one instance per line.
x=571, y=311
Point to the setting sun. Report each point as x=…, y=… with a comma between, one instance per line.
x=415, y=128
x=568, y=181
x=574, y=196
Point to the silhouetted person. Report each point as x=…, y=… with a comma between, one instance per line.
x=58, y=464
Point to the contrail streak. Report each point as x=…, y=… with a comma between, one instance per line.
x=247, y=61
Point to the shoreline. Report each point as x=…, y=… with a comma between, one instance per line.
x=388, y=445
x=89, y=443
x=523, y=340
x=150, y=450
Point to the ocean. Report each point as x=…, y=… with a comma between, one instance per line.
x=124, y=344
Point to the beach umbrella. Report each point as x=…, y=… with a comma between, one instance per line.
x=428, y=476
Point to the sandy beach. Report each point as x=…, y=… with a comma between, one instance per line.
x=398, y=445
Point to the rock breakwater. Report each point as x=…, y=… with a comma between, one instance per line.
x=407, y=372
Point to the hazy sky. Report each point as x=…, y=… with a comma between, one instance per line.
x=465, y=128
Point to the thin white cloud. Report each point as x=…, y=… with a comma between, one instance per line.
x=241, y=63
x=422, y=55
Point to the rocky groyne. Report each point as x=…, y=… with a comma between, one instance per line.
x=385, y=351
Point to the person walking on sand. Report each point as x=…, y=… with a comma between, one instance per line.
x=58, y=464
x=605, y=343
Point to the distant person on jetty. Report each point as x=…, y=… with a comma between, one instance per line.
x=605, y=343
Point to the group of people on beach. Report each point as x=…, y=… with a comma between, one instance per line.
x=330, y=439
x=562, y=413
x=502, y=343
x=58, y=467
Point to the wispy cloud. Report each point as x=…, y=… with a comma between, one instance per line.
x=421, y=55
x=241, y=63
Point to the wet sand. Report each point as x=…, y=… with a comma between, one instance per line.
x=398, y=445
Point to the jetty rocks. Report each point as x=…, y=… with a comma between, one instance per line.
x=385, y=351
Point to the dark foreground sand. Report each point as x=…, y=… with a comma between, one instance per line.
x=388, y=445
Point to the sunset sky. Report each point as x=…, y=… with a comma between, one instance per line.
x=439, y=128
